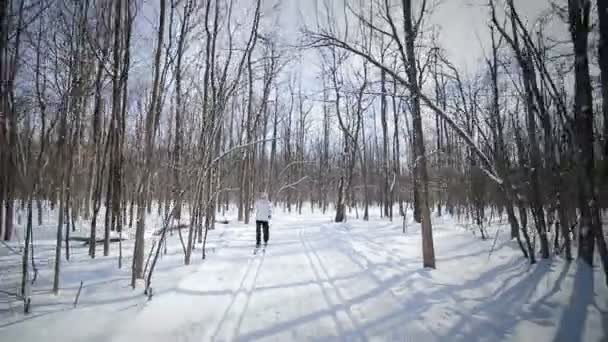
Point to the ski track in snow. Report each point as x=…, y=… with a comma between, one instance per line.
x=317, y=280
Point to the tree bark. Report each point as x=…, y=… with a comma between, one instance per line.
x=602, y=10
x=583, y=115
x=420, y=166
x=151, y=123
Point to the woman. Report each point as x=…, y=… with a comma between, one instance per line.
x=263, y=213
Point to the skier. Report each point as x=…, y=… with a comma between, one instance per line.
x=263, y=214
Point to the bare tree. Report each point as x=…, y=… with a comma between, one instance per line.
x=151, y=125
x=591, y=225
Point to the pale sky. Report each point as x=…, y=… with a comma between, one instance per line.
x=463, y=23
x=463, y=29
x=464, y=26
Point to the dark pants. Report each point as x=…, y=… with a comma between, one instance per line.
x=259, y=225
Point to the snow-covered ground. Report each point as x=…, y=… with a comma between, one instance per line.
x=317, y=280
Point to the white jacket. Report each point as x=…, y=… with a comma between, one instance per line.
x=263, y=210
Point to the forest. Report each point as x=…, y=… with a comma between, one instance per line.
x=112, y=112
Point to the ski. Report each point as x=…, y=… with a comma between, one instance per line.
x=258, y=248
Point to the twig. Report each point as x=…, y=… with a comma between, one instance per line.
x=561, y=249
x=16, y=295
x=392, y=187
x=181, y=240
x=78, y=294
x=293, y=163
x=10, y=248
x=292, y=185
x=494, y=244
x=149, y=256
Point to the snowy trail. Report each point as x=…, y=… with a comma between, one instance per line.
x=359, y=281
x=356, y=282
x=251, y=293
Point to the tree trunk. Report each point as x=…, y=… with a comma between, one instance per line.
x=26, y=247
x=602, y=10
x=420, y=165
x=151, y=123
x=61, y=215
x=583, y=117
x=535, y=163
x=385, y=184
x=340, y=214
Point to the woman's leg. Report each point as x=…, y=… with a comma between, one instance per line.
x=266, y=232
x=258, y=226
